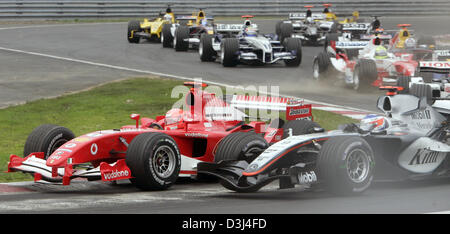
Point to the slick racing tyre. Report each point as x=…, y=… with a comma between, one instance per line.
x=205, y=49
x=286, y=31
x=47, y=138
x=154, y=161
x=365, y=72
x=166, y=36
x=321, y=65
x=294, y=45
x=330, y=37
x=133, y=26
x=278, y=28
x=403, y=81
x=240, y=146
x=181, y=35
x=228, y=52
x=345, y=164
x=299, y=127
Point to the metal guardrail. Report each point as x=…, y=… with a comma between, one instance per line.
x=19, y=9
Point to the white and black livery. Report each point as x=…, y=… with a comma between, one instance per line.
x=235, y=44
x=410, y=141
x=311, y=28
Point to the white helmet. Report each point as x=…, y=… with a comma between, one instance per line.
x=410, y=43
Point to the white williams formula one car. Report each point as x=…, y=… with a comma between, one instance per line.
x=245, y=45
x=410, y=142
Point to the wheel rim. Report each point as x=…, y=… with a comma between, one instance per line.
x=175, y=42
x=162, y=37
x=358, y=163
x=356, y=79
x=163, y=161
x=316, y=70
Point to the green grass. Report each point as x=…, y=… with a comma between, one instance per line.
x=105, y=107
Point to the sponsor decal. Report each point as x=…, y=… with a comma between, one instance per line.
x=423, y=114
x=94, y=149
x=436, y=64
x=301, y=111
x=116, y=174
x=70, y=145
x=196, y=134
x=424, y=156
x=351, y=44
x=81, y=139
x=307, y=177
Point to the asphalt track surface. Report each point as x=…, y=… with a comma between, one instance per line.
x=44, y=61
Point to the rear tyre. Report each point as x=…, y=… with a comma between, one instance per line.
x=346, y=164
x=47, y=138
x=294, y=45
x=229, y=52
x=299, y=127
x=240, y=146
x=403, y=81
x=205, y=49
x=364, y=74
x=330, y=37
x=181, y=34
x=154, y=161
x=166, y=36
x=133, y=26
x=286, y=31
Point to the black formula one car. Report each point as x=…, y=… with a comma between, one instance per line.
x=411, y=141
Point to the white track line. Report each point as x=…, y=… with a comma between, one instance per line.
x=167, y=75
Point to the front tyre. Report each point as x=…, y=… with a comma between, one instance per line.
x=346, y=165
x=154, y=161
x=47, y=138
x=229, y=52
x=133, y=27
x=294, y=45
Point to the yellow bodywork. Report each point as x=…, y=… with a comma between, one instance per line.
x=354, y=18
x=155, y=27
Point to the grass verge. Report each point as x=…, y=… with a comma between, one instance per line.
x=104, y=107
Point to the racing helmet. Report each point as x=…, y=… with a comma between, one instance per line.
x=251, y=31
x=375, y=123
x=309, y=20
x=167, y=17
x=173, y=116
x=410, y=43
x=247, y=23
x=381, y=52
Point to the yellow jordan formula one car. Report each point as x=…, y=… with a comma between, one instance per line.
x=149, y=29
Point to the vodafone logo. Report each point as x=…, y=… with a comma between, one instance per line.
x=116, y=174
x=94, y=149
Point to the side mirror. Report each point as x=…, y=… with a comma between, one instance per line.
x=136, y=117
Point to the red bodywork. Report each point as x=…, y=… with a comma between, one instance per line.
x=404, y=67
x=196, y=131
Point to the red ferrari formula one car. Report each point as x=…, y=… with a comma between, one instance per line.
x=153, y=153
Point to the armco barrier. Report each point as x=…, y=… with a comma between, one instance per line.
x=23, y=9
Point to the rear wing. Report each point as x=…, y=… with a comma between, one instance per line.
x=442, y=54
x=381, y=36
x=295, y=108
x=434, y=66
x=356, y=27
x=302, y=16
x=351, y=44
x=229, y=27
